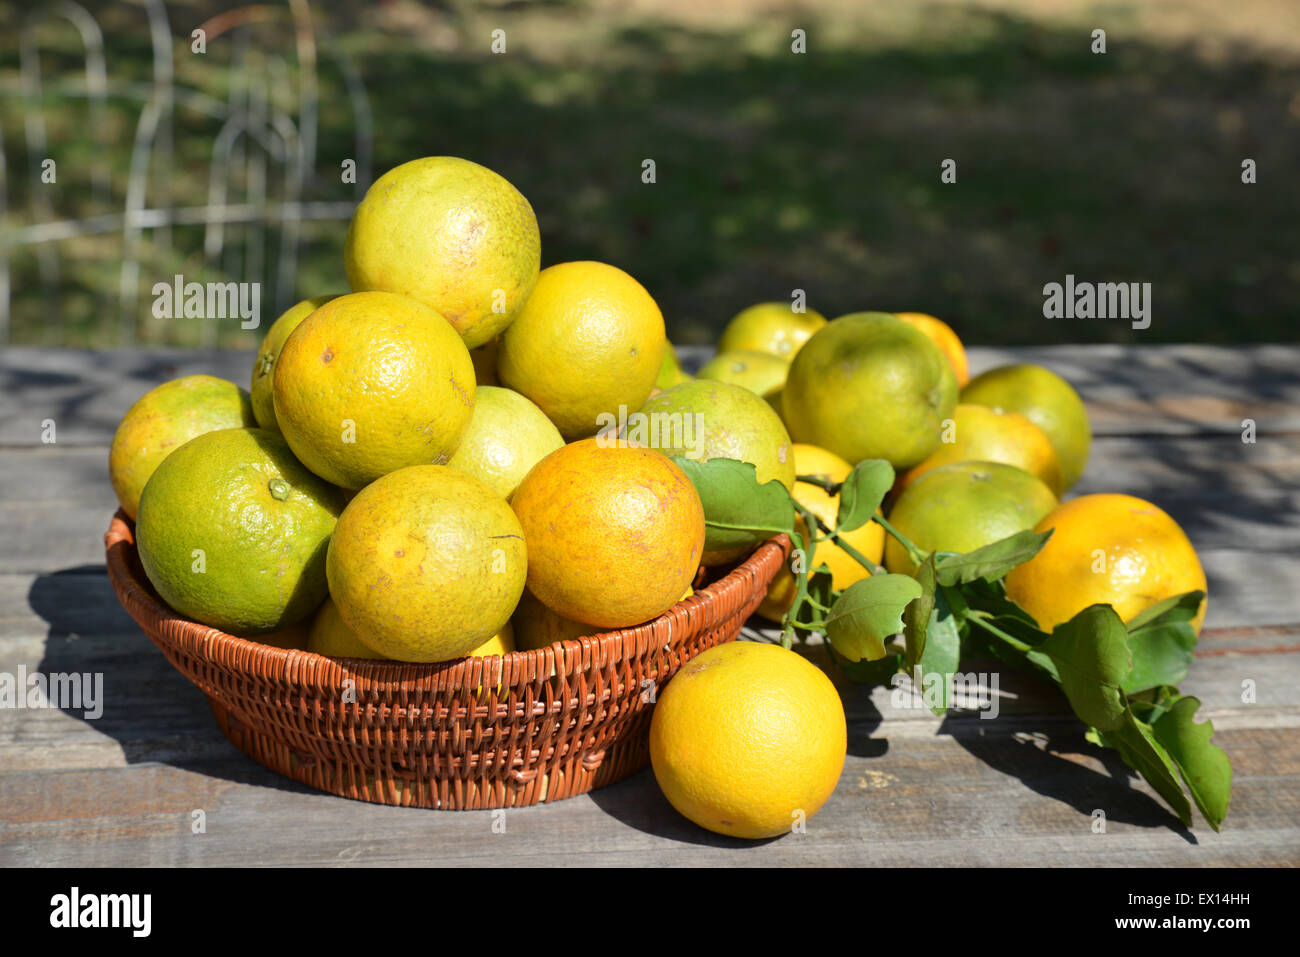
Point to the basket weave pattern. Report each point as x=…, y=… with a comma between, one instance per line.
x=504, y=731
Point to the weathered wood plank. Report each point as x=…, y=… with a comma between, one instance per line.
x=946, y=802
x=1156, y=389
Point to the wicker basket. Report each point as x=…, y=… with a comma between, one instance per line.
x=492, y=732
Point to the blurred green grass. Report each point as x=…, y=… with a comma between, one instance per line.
x=775, y=171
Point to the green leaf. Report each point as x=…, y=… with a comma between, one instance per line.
x=738, y=512
x=862, y=493
x=1161, y=640
x=1091, y=656
x=991, y=561
x=1204, y=766
x=819, y=589
x=942, y=649
x=1179, y=608
x=1140, y=750
x=864, y=672
x=1161, y=656
x=916, y=616
x=868, y=612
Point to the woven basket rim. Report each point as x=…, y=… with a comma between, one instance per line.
x=136, y=593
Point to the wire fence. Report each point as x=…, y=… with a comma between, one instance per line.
x=261, y=178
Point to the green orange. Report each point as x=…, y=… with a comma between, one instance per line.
x=870, y=386
x=233, y=531
x=964, y=506
x=760, y=372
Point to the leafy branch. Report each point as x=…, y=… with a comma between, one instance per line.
x=1120, y=679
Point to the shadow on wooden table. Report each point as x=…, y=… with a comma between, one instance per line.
x=149, y=708
x=1047, y=771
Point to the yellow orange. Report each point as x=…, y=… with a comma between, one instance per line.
x=976, y=433
x=1106, y=548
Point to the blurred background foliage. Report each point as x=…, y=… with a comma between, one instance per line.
x=775, y=171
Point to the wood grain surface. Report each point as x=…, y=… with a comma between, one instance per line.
x=916, y=790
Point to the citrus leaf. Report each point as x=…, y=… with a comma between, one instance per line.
x=1091, y=656
x=862, y=493
x=738, y=511
x=868, y=612
x=991, y=561
x=1138, y=746
x=1205, y=767
x=916, y=616
x=1161, y=640
x=942, y=650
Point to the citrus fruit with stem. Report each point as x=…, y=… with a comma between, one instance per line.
x=426, y=564
x=452, y=234
x=748, y=740
x=1106, y=548
x=614, y=532
x=164, y=419
x=372, y=382
x=870, y=386
x=964, y=506
x=867, y=540
x=233, y=531
x=589, y=340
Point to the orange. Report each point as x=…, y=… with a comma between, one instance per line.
x=705, y=419
x=760, y=372
x=1045, y=399
x=869, y=539
x=870, y=386
x=370, y=383
x=452, y=234
x=426, y=564
x=964, y=506
x=262, y=388
x=536, y=626
x=771, y=327
x=1111, y=549
x=941, y=335
x=980, y=434
x=507, y=436
x=589, y=340
x=233, y=532
x=164, y=419
x=748, y=740
x=614, y=533
x=331, y=637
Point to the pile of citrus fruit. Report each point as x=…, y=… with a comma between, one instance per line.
x=451, y=460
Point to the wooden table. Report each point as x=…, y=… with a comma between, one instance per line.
x=1021, y=789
